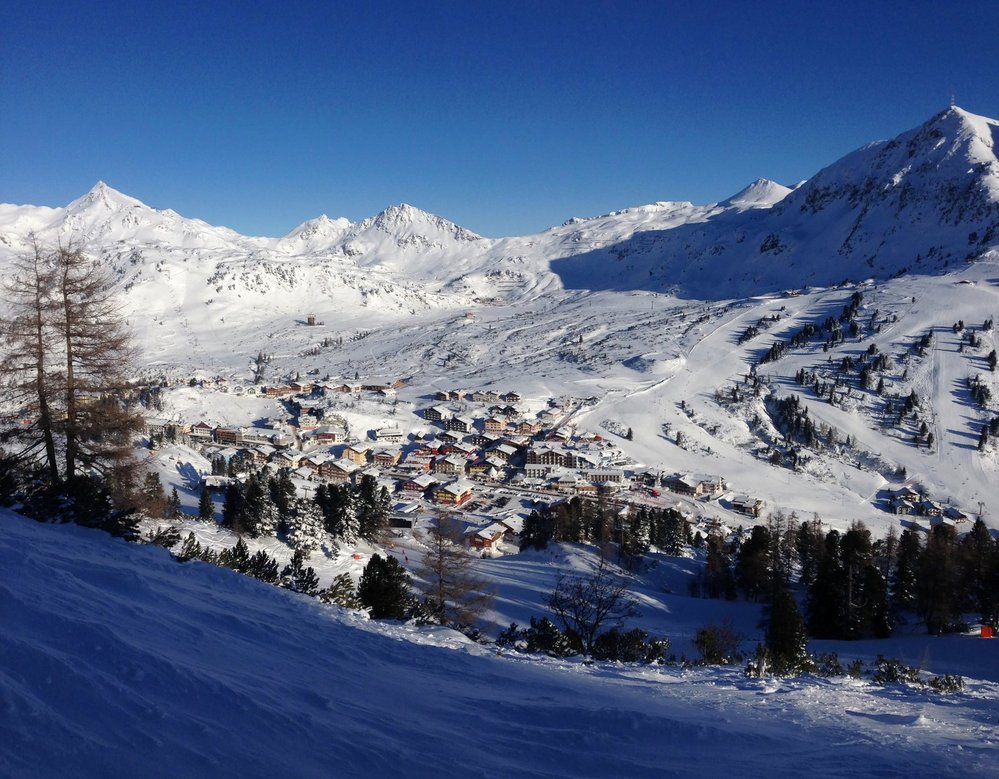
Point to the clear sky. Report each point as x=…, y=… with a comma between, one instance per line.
x=505, y=117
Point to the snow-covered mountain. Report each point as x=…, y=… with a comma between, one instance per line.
x=925, y=201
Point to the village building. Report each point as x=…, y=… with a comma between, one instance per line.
x=329, y=435
x=747, y=505
x=691, y=484
x=436, y=414
x=341, y=470
x=494, y=424
x=419, y=484
x=279, y=391
x=387, y=458
x=215, y=482
x=285, y=458
x=489, y=536
x=460, y=424
x=455, y=493
x=357, y=453
x=452, y=464
x=389, y=435
x=503, y=452
x=202, y=431
x=314, y=462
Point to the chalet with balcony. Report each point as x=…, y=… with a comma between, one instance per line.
x=454, y=494
x=386, y=458
x=747, y=505
x=694, y=485
x=357, y=453
x=460, y=425
x=419, y=484
x=436, y=414
x=451, y=465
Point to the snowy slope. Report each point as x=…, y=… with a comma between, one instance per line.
x=117, y=661
x=923, y=201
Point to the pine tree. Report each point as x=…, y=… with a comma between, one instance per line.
x=189, y=550
x=980, y=572
x=206, y=506
x=904, y=581
x=786, y=640
x=719, y=581
x=298, y=577
x=307, y=532
x=372, y=508
x=342, y=592
x=826, y=613
x=262, y=566
x=384, y=588
x=173, y=504
x=234, y=509
x=236, y=557
x=938, y=598
x=753, y=566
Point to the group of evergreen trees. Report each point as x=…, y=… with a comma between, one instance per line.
x=266, y=505
x=857, y=586
x=587, y=521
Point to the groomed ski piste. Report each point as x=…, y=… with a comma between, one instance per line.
x=117, y=661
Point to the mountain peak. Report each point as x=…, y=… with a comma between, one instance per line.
x=104, y=197
x=762, y=193
x=406, y=219
x=316, y=234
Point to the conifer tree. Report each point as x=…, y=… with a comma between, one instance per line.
x=980, y=572
x=298, y=577
x=384, y=588
x=786, y=640
x=206, y=506
x=938, y=598
x=342, y=592
x=307, y=532
x=753, y=566
x=907, y=563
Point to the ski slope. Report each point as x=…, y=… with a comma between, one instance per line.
x=117, y=661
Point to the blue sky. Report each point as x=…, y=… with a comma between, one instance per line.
x=504, y=117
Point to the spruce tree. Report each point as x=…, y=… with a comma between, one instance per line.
x=786, y=640
x=384, y=588
x=938, y=597
x=753, y=566
x=307, y=531
x=206, y=506
x=907, y=563
x=342, y=592
x=980, y=572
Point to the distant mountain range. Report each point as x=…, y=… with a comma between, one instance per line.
x=921, y=202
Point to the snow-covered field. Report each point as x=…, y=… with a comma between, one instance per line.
x=117, y=661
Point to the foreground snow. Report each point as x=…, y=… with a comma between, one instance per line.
x=117, y=661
